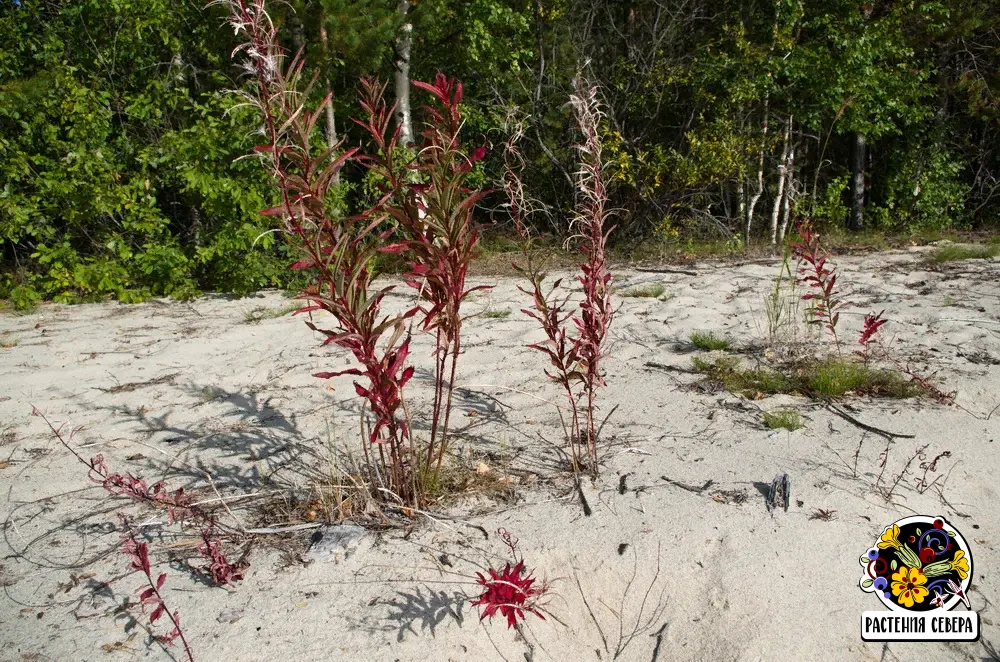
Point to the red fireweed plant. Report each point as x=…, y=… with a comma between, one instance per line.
x=549, y=305
x=511, y=591
x=596, y=311
x=150, y=596
x=339, y=251
x=871, y=327
x=819, y=274
x=576, y=358
x=180, y=508
x=427, y=197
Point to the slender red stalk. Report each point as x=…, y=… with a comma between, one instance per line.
x=138, y=555
x=817, y=272
x=596, y=311
x=179, y=506
x=576, y=359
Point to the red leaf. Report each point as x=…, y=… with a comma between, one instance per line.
x=302, y=264
x=159, y=581
x=143, y=553
x=273, y=211
x=432, y=89
x=156, y=614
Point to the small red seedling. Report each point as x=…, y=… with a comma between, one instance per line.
x=220, y=569
x=872, y=325
x=510, y=591
x=817, y=271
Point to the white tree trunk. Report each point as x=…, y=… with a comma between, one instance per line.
x=759, y=191
x=790, y=193
x=404, y=44
x=779, y=197
x=741, y=194
x=331, y=119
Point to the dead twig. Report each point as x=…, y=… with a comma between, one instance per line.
x=864, y=426
x=690, y=488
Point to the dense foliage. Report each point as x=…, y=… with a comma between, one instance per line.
x=120, y=142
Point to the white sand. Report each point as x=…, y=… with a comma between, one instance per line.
x=735, y=582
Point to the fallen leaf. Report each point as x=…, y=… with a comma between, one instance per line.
x=4, y=464
x=482, y=468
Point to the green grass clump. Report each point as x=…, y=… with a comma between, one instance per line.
x=783, y=419
x=953, y=252
x=835, y=377
x=260, y=313
x=727, y=371
x=497, y=314
x=646, y=291
x=7, y=341
x=819, y=380
x=708, y=341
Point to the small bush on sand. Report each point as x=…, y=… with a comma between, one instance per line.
x=955, y=252
x=783, y=419
x=709, y=341
x=644, y=291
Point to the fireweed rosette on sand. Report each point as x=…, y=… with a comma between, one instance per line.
x=919, y=563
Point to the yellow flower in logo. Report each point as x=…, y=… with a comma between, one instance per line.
x=890, y=538
x=908, y=586
x=960, y=564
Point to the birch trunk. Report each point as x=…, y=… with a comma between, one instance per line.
x=789, y=192
x=331, y=119
x=779, y=197
x=404, y=44
x=741, y=194
x=759, y=191
x=857, y=222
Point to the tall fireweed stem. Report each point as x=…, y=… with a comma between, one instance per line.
x=427, y=197
x=337, y=251
x=576, y=359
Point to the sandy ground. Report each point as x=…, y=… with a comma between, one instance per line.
x=657, y=572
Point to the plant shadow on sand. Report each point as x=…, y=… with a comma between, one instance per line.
x=417, y=611
x=429, y=610
x=249, y=429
